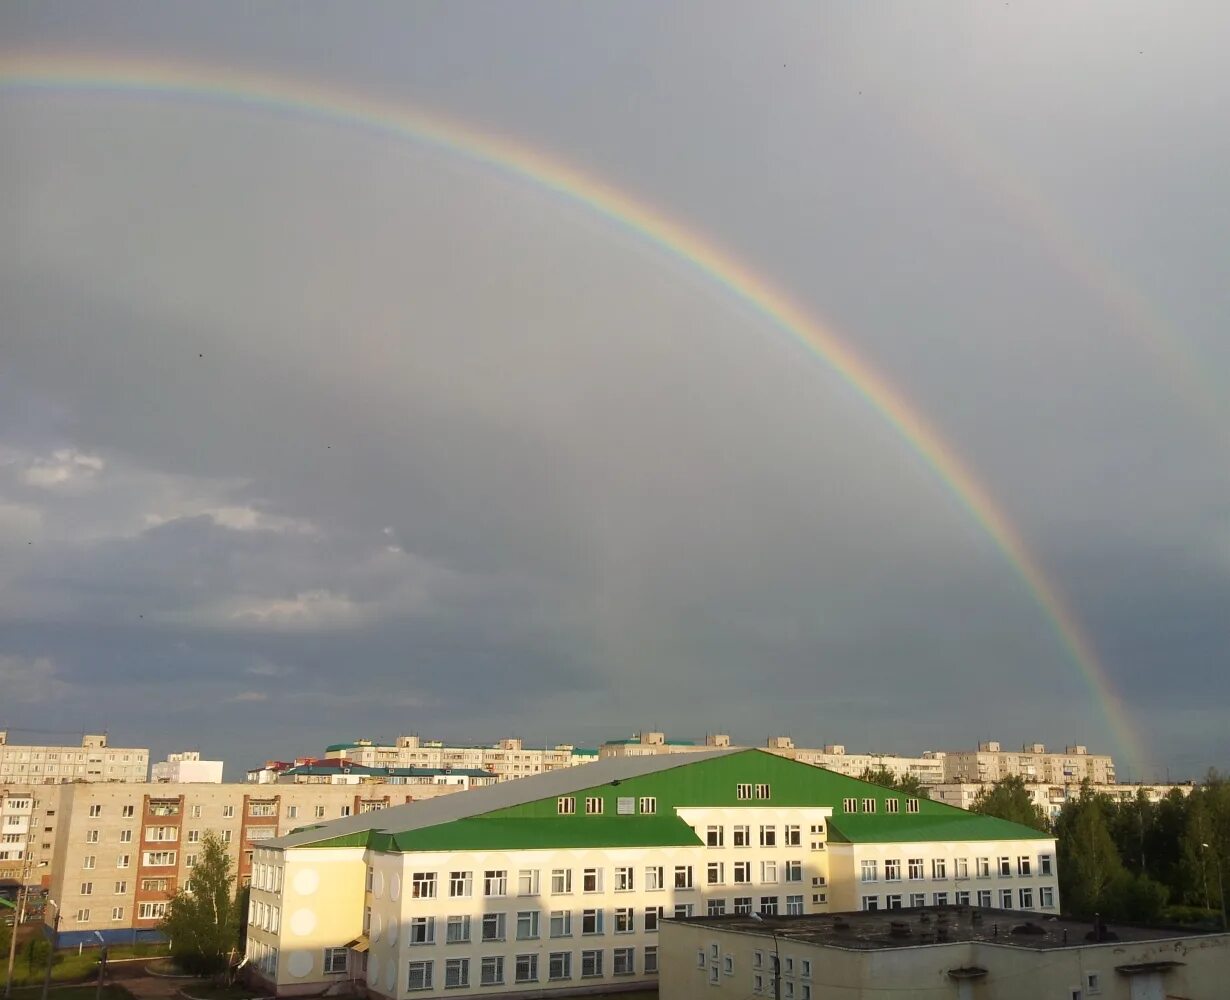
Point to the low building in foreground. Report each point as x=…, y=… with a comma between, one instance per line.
x=557, y=884
x=957, y=953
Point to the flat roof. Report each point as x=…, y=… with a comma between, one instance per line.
x=862, y=930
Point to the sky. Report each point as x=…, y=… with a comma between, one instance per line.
x=310, y=432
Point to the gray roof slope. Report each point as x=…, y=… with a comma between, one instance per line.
x=476, y=801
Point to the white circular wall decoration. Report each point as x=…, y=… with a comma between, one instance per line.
x=377, y=884
x=393, y=932
x=306, y=882
x=390, y=977
x=303, y=922
x=373, y=969
x=376, y=927
x=299, y=964
x=395, y=888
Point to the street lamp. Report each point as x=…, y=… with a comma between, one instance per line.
x=777, y=958
x=51, y=955
x=1221, y=889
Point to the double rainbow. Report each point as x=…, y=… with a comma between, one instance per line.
x=77, y=74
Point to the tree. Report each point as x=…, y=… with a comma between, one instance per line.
x=1091, y=876
x=907, y=783
x=203, y=920
x=1009, y=799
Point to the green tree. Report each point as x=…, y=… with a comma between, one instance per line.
x=203, y=920
x=907, y=783
x=1009, y=799
x=1091, y=875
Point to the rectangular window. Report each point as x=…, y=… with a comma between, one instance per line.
x=561, y=881
x=292, y=812
x=591, y=921
x=652, y=915
x=1024, y=866
x=649, y=805
x=849, y=805
x=418, y=976
x=591, y=964
x=423, y=885
x=869, y=805
x=794, y=835
x=715, y=907
x=492, y=970
x=794, y=871
x=963, y=897
x=916, y=869
x=154, y=885
x=623, y=962
x=1026, y=897
x=83, y=915
x=335, y=961
x=743, y=836
x=651, y=958
x=794, y=905
x=768, y=906
x=768, y=872
x=1044, y=864
x=1046, y=896
x=95, y=810
x=654, y=877
x=892, y=806
x=527, y=882
x=743, y=872
x=91, y=836
x=527, y=969
x=493, y=927
x=984, y=898
x=194, y=836
x=768, y=836
x=593, y=805
x=527, y=925
x=962, y=867
x=117, y=913
x=892, y=870
x=624, y=879
x=714, y=873
x=625, y=920
x=743, y=791
x=939, y=868
x=983, y=866
x=591, y=880
x=1005, y=867
x=1005, y=899
x=456, y=972
x=121, y=888
x=683, y=911
x=319, y=812
x=911, y=805
x=714, y=836
x=158, y=859
x=422, y=930
x=87, y=888
x=743, y=906
x=683, y=876
x=461, y=884
x=559, y=965
x=458, y=930
x=871, y=902
x=495, y=882
x=763, y=792
x=123, y=861
x=561, y=923
x=918, y=899
x=129, y=811
x=228, y=812
x=125, y=836
x=151, y=911
x=941, y=899
x=869, y=871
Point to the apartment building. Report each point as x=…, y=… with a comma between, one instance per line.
x=991, y=763
x=333, y=772
x=648, y=744
x=28, y=818
x=962, y=954
x=92, y=760
x=1051, y=798
x=506, y=759
x=559, y=883
x=120, y=851
x=186, y=767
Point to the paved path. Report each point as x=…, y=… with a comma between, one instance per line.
x=152, y=987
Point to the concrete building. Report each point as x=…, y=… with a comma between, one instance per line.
x=506, y=759
x=331, y=772
x=92, y=760
x=557, y=884
x=1051, y=798
x=991, y=763
x=119, y=851
x=187, y=768
x=948, y=953
x=647, y=744
x=28, y=818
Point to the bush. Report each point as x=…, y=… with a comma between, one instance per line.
x=1192, y=916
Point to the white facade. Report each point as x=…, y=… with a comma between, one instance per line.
x=188, y=768
x=507, y=758
x=991, y=763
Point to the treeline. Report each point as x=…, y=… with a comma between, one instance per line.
x=1135, y=860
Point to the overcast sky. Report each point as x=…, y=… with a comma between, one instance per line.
x=308, y=433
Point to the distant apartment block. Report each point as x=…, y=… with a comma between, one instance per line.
x=92, y=760
x=1050, y=798
x=186, y=768
x=506, y=759
x=991, y=763
x=343, y=772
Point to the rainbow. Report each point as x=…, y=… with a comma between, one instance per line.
x=71, y=73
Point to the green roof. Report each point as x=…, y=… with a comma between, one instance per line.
x=914, y=827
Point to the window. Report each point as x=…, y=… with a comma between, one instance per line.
x=794, y=871
x=423, y=885
x=151, y=911
x=527, y=925
x=457, y=930
x=95, y=810
x=561, y=881
x=794, y=835
x=157, y=859
x=713, y=975
x=649, y=805
x=319, y=812
x=654, y=877
x=892, y=870
x=495, y=882
x=194, y=836
x=757, y=984
x=939, y=868
x=493, y=927
x=715, y=907
x=292, y=812
x=591, y=964
x=762, y=792
x=1046, y=896
x=911, y=805
x=871, y=902
x=625, y=920
x=1044, y=864
x=768, y=906
x=418, y=976
x=1005, y=899
x=335, y=961
x=591, y=880
x=849, y=805
x=117, y=913
x=869, y=871
x=768, y=872
x=682, y=911
x=984, y=898
x=123, y=861
x=941, y=899
x=527, y=882
x=962, y=868
x=743, y=872
x=892, y=902
x=892, y=805
x=714, y=836
x=591, y=921
x=624, y=880
x=651, y=958
x=559, y=965
x=226, y=836
x=743, y=791
x=344, y=811
x=154, y=885
x=794, y=906
x=714, y=873
x=652, y=915
x=623, y=962
x=918, y=899
x=683, y=876
x=125, y=836
x=83, y=915
x=743, y=905
x=527, y=969
x=1005, y=867
x=492, y=970
x=593, y=805
x=456, y=972
x=963, y=897
x=87, y=888
x=768, y=836
x=983, y=867
x=1024, y=866
x=228, y=812
x=1026, y=896
x=121, y=888
x=916, y=869
x=1093, y=982
x=262, y=809
x=91, y=836
x=422, y=930
x=743, y=836
x=869, y=805
x=128, y=811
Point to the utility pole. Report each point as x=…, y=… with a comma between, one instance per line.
x=51, y=955
x=23, y=896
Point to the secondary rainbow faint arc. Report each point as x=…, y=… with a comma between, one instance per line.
x=77, y=73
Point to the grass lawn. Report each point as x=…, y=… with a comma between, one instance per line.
x=71, y=967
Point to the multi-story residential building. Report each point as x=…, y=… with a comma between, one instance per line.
x=558, y=883
x=92, y=760
x=991, y=763
x=1005, y=954
x=648, y=744
x=333, y=772
x=506, y=759
x=120, y=851
x=1051, y=798
x=186, y=767
x=28, y=818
